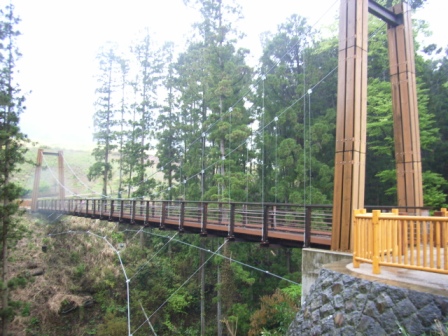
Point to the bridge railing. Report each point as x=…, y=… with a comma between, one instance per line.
x=224, y=216
x=391, y=239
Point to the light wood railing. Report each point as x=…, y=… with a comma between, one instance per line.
x=395, y=240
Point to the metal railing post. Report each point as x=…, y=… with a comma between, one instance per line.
x=264, y=232
x=94, y=209
x=146, y=213
x=163, y=217
x=133, y=204
x=182, y=216
x=231, y=235
x=307, y=233
x=111, y=210
x=120, y=220
x=204, y=219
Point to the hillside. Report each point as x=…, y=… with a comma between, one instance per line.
x=67, y=277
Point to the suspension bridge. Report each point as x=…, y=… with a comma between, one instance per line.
x=325, y=226
x=389, y=240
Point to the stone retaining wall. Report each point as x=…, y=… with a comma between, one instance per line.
x=344, y=304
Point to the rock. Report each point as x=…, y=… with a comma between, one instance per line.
x=37, y=272
x=340, y=304
x=31, y=265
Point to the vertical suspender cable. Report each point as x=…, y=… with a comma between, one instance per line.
x=202, y=166
x=263, y=144
x=249, y=142
x=304, y=129
x=184, y=178
x=230, y=151
x=309, y=142
x=276, y=158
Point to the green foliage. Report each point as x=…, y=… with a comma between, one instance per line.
x=293, y=291
x=17, y=282
x=113, y=326
x=433, y=186
x=275, y=314
x=80, y=270
x=104, y=116
x=179, y=302
x=12, y=147
x=26, y=309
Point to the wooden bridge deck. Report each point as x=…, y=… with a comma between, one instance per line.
x=282, y=224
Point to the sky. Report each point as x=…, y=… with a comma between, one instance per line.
x=61, y=38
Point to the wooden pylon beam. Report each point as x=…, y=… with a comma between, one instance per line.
x=405, y=111
x=37, y=172
x=61, y=175
x=349, y=179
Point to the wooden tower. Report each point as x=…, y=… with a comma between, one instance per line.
x=37, y=172
x=350, y=155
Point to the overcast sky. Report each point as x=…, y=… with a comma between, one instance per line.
x=60, y=39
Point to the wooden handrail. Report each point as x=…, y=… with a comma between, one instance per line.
x=391, y=239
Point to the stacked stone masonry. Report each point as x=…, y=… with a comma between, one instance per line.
x=341, y=304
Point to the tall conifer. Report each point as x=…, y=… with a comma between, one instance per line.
x=12, y=149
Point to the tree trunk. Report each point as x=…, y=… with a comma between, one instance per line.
x=202, y=256
x=219, y=303
x=4, y=271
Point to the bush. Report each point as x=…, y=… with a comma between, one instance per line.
x=275, y=314
x=113, y=326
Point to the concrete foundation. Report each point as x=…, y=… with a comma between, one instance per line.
x=312, y=262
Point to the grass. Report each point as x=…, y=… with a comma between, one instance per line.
x=74, y=269
x=439, y=328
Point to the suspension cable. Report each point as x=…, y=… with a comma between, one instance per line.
x=249, y=90
x=56, y=179
x=76, y=176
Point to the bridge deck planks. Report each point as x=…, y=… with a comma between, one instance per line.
x=282, y=235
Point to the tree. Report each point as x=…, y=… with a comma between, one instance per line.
x=296, y=128
x=220, y=79
x=433, y=72
x=104, y=118
x=149, y=66
x=124, y=66
x=12, y=149
x=380, y=166
x=168, y=123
